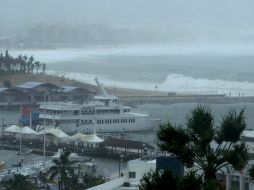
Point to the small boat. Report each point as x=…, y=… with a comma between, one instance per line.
x=24, y=152
x=73, y=157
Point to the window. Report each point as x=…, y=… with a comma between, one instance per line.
x=132, y=174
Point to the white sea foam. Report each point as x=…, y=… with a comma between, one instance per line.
x=60, y=55
x=173, y=83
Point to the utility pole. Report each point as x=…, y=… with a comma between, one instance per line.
x=44, y=126
x=3, y=133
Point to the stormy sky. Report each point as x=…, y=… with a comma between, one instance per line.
x=218, y=15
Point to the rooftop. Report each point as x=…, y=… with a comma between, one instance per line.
x=123, y=143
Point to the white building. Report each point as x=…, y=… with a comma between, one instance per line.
x=135, y=171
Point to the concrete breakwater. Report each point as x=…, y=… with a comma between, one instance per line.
x=136, y=100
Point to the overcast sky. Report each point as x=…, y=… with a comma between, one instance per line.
x=223, y=15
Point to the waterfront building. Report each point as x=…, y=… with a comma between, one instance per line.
x=33, y=92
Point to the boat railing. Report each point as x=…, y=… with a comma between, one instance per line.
x=70, y=104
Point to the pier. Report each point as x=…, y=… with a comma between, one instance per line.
x=111, y=148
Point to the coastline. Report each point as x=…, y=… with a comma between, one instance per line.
x=130, y=96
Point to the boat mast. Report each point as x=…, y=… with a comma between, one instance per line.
x=44, y=126
x=31, y=117
x=101, y=89
x=20, y=145
x=3, y=133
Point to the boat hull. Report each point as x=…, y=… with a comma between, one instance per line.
x=142, y=125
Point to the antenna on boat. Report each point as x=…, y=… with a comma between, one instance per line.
x=102, y=91
x=3, y=133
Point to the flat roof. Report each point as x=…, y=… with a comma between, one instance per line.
x=124, y=143
x=3, y=89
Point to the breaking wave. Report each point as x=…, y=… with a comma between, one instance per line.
x=69, y=54
x=173, y=83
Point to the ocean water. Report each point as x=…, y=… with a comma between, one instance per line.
x=195, y=69
x=175, y=113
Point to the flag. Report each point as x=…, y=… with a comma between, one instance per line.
x=25, y=110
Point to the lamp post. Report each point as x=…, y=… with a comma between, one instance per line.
x=79, y=174
x=44, y=127
x=120, y=162
x=59, y=182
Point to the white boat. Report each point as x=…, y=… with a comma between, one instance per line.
x=73, y=157
x=24, y=152
x=104, y=112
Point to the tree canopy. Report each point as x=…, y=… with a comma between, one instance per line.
x=18, y=182
x=61, y=168
x=157, y=180
x=209, y=146
x=20, y=64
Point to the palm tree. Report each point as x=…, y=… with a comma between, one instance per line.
x=7, y=61
x=30, y=64
x=18, y=182
x=1, y=61
x=157, y=180
x=37, y=66
x=43, y=68
x=19, y=64
x=61, y=169
x=192, y=144
x=25, y=63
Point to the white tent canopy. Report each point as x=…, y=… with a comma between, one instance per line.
x=55, y=132
x=28, y=130
x=23, y=130
x=91, y=138
x=248, y=133
x=13, y=129
x=79, y=136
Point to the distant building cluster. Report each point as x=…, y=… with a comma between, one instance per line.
x=61, y=34
x=33, y=92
